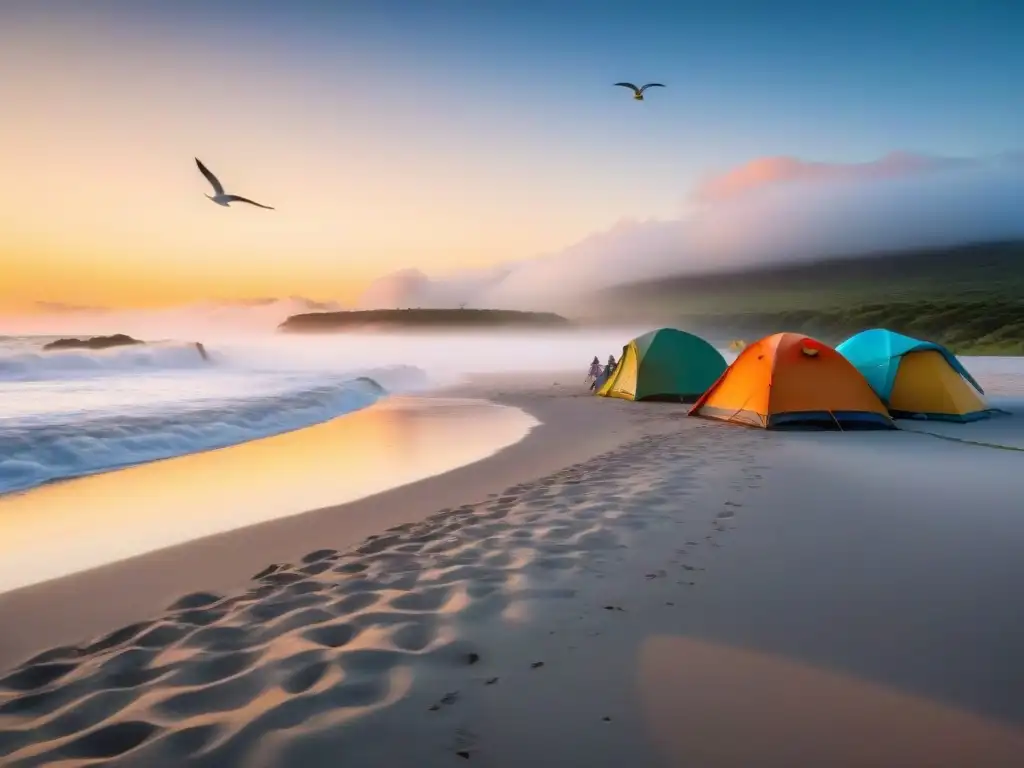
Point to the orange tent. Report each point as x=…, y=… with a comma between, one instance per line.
x=790, y=380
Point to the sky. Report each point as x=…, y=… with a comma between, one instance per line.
x=442, y=136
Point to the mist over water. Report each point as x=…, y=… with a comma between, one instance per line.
x=67, y=413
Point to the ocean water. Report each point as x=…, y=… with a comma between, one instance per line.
x=68, y=413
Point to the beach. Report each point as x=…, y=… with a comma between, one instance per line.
x=624, y=584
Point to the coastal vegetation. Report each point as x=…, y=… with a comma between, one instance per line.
x=969, y=298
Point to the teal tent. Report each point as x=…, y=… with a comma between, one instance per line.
x=664, y=364
x=915, y=379
x=877, y=354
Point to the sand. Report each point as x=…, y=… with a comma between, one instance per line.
x=642, y=588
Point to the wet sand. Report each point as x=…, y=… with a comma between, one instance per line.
x=67, y=527
x=624, y=586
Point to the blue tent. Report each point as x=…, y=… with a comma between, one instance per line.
x=877, y=354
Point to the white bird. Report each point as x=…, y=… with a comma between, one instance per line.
x=219, y=197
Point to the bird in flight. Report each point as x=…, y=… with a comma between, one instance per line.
x=218, y=190
x=638, y=93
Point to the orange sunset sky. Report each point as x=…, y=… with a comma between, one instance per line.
x=363, y=157
x=392, y=136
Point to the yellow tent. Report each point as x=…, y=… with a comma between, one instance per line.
x=927, y=385
x=914, y=378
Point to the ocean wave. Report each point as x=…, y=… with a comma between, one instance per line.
x=32, y=453
x=28, y=364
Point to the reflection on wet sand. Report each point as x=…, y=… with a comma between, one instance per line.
x=718, y=707
x=68, y=527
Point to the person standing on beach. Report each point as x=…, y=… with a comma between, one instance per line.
x=605, y=373
x=595, y=371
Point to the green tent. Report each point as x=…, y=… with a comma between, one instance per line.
x=666, y=364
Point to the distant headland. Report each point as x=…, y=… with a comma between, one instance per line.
x=419, y=319
x=94, y=342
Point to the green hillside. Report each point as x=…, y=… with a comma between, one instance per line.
x=970, y=298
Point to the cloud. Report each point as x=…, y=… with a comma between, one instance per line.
x=413, y=288
x=409, y=288
x=59, y=306
x=768, y=171
x=770, y=210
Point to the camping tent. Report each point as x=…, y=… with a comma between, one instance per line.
x=914, y=378
x=666, y=364
x=792, y=380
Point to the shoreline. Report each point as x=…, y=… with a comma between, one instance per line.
x=563, y=436
x=205, y=445
x=71, y=527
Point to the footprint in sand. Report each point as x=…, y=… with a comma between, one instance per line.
x=294, y=629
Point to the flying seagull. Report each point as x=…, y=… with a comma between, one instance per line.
x=218, y=190
x=638, y=93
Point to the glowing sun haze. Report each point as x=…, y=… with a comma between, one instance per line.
x=451, y=139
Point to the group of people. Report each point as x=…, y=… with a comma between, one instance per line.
x=598, y=375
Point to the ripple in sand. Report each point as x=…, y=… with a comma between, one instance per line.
x=429, y=599
x=195, y=600
x=109, y=741
x=136, y=677
x=320, y=555
x=331, y=635
x=117, y=637
x=269, y=610
x=162, y=635
x=178, y=745
x=36, y=676
x=315, y=569
x=223, y=638
x=351, y=567
x=357, y=601
x=414, y=636
x=225, y=696
x=369, y=661
x=200, y=617
x=86, y=712
x=304, y=678
x=40, y=703
x=63, y=653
